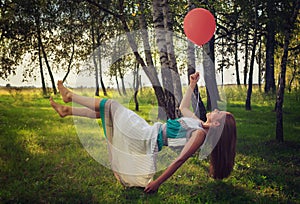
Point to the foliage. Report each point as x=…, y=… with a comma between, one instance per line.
x=66, y=27
x=43, y=161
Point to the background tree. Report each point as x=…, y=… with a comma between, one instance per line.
x=158, y=20
x=209, y=63
x=149, y=67
x=289, y=26
x=136, y=84
x=44, y=13
x=253, y=52
x=16, y=29
x=270, y=44
x=169, y=27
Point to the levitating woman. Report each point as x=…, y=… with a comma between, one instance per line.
x=133, y=144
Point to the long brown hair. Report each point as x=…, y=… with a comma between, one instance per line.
x=223, y=155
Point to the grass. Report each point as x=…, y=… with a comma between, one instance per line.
x=43, y=161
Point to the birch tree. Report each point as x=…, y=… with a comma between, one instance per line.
x=168, y=26
x=149, y=67
x=158, y=20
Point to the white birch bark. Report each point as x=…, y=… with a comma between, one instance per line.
x=168, y=25
x=158, y=20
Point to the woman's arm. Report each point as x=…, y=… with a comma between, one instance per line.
x=186, y=100
x=189, y=149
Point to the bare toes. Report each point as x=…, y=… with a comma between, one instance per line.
x=61, y=110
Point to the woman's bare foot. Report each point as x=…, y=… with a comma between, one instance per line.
x=60, y=109
x=65, y=93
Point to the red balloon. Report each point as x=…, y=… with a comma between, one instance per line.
x=199, y=26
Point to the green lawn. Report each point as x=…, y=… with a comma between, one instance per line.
x=43, y=161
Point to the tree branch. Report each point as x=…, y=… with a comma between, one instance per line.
x=103, y=9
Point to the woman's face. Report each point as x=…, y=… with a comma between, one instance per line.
x=215, y=115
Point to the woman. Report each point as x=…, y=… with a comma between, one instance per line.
x=133, y=143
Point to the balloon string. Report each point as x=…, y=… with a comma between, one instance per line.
x=197, y=106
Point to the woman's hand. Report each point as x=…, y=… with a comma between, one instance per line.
x=152, y=187
x=194, y=79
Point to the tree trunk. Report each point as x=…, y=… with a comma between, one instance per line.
x=168, y=25
x=270, y=48
x=41, y=70
x=236, y=59
x=259, y=63
x=294, y=73
x=37, y=20
x=99, y=51
x=49, y=69
x=221, y=69
x=118, y=87
x=140, y=83
x=210, y=77
x=122, y=78
x=136, y=86
x=70, y=61
x=280, y=94
x=166, y=74
x=236, y=50
x=94, y=59
x=246, y=58
x=150, y=69
x=250, y=81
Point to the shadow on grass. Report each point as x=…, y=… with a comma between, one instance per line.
x=272, y=169
x=212, y=192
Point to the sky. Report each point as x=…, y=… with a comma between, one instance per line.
x=75, y=80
